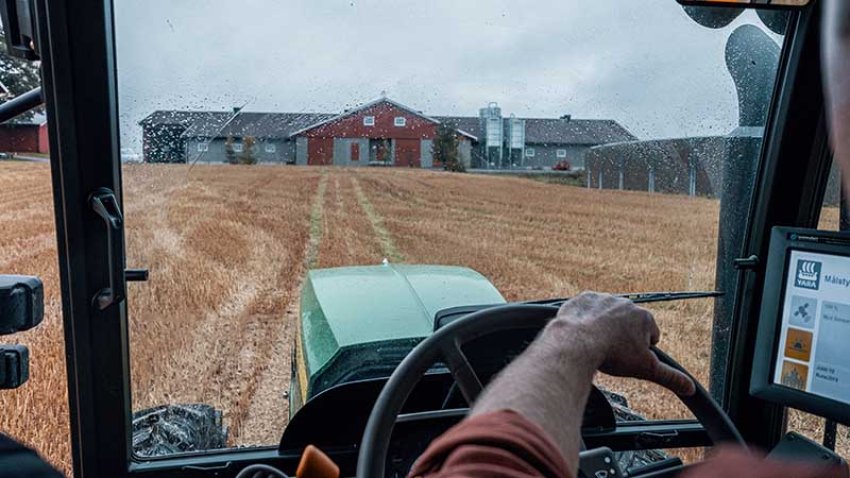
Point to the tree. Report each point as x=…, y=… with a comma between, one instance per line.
x=229, y=153
x=445, y=148
x=18, y=75
x=247, y=156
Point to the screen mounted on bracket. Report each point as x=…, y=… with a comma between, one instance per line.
x=802, y=354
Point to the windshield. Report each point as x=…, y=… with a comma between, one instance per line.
x=309, y=183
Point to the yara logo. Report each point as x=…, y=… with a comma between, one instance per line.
x=808, y=274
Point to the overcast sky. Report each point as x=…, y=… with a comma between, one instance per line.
x=643, y=63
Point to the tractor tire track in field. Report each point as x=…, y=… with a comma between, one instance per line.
x=388, y=247
x=311, y=256
x=263, y=424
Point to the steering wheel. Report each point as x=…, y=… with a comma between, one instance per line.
x=446, y=344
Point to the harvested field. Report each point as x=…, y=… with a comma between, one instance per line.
x=227, y=247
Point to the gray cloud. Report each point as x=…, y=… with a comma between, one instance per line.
x=643, y=63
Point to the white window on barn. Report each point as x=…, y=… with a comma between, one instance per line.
x=562, y=153
x=368, y=121
x=400, y=121
x=203, y=147
x=271, y=148
x=237, y=147
x=529, y=152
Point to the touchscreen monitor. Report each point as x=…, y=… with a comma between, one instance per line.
x=803, y=346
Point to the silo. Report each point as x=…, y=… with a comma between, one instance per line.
x=494, y=135
x=516, y=141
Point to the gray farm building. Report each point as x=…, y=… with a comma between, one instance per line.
x=692, y=166
x=381, y=132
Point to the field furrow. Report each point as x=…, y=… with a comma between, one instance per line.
x=388, y=247
x=348, y=237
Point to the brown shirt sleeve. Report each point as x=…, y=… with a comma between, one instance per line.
x=501, y=444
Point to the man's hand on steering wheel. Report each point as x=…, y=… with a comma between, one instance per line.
x=547, y=385
x=618, y=336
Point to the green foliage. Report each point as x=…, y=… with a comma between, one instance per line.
x=248, y=145
x=445, y=148
x=229, y=153
x=19, y=76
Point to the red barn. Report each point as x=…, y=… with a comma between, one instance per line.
x=381, y=132
x=24, y=138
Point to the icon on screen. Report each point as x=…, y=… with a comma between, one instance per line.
x=803, y=312
x=794, y=375
x=798, y=345
x=808, y=274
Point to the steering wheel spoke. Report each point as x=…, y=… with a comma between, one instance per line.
x=467, y=380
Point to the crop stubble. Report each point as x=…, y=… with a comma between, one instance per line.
x=227, y=248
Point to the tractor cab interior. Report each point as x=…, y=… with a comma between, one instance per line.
x=278, y=225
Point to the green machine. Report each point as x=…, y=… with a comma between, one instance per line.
x=358, y=323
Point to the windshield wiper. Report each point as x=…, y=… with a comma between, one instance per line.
x=645, y=297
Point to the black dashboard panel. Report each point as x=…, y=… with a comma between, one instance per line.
x=336, y=418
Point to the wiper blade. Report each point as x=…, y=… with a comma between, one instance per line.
x=646, y=297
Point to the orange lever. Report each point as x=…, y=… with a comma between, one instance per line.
x=315, y=464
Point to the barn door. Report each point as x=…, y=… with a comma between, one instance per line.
x=407, y=153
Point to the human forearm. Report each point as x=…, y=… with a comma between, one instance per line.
x=549, y=384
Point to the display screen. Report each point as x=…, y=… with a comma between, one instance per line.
x=813, y=352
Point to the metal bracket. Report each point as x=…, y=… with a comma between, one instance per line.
x=136, y=275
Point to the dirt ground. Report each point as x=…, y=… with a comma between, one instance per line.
x=227, y=247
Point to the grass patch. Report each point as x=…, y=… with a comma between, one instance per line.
x=387, y=246
x=311, y=258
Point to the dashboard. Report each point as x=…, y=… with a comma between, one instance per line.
x=335, y=419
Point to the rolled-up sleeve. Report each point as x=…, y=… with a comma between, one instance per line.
x=501, y=444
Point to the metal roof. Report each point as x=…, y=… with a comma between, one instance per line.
x=176, y=117
x=259, y=125
x=574, y=131
x=221, y=124
x=468, y=124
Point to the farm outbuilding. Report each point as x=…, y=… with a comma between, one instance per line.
x=381, y=132
x=690, y=166
x=25, y=137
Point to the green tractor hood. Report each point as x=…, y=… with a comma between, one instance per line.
x=360, y=322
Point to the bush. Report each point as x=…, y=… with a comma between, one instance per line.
x=247, y=156
x=445, y=148
x=229, y=153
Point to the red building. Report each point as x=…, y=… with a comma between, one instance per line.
x=379, y=132
x=24, y=138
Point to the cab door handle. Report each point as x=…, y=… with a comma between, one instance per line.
x=105, y=205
